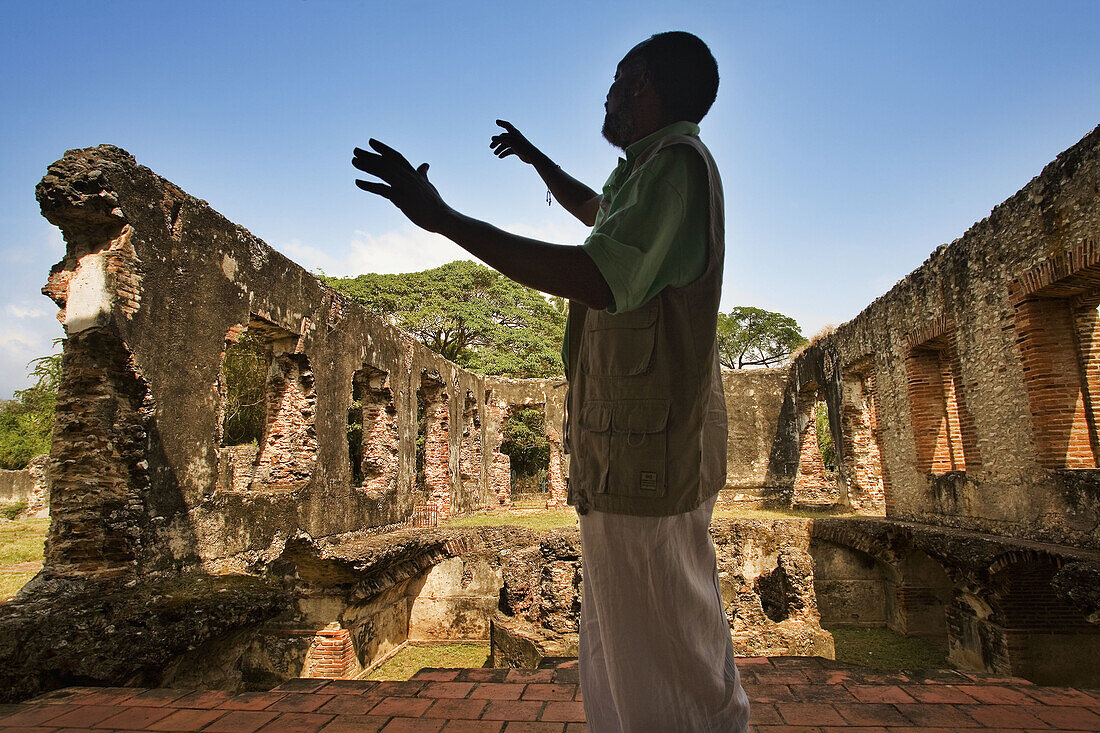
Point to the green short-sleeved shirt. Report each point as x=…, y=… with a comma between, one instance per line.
x=651, y=231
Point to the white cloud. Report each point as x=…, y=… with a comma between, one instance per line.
x=23, y=311
x=310, y=257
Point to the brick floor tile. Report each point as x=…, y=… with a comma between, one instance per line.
x=446, y=689
x=820, y=692
x=187, y=720
x=349, y=687
x=432, y=674
x=997, y=694
x=947, y=716
x=513, y=710
x=84, y=716
x=483, y=675
x=787, y=729
x=300, y=702
x=133, y=717
x=566, y=712
x=252, y=700
x=1004, y=716
x=810, y=713
x=855, y=729
x=456, y=709
x=109, y=695
x=578, y=695
x=546, y=691
x=396, y=688
x=576, y=728
x=297, y=723
x=203, y=699
x=872, y=713
x=1066, y=716
x=241, y=721
x=35, y=714
x=934, y=693
x=764, y=714
x=530, y=675
x=922, y=729
x=473, y=726
x=788, y=677
x=29, y=729
x=348, y=704
x=157, y=698
x=497, y=691
x=402, y=706
x=529, y=727
x=569, y=676
x=302, y=684
x=1060, y=696
x=769, y=693
x=874, y=693
x=355, y=724
x=412, y=725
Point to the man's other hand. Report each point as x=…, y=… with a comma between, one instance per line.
x=512, y=142
x=407, y=187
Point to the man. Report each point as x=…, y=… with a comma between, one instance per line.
x=646, y=425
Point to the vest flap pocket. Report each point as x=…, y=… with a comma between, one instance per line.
x=640, y=417
x=595, y=416
x=642, y=317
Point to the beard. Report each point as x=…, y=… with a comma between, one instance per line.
x=618, y=129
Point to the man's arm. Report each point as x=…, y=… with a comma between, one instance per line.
x=552, y=268
x=575, y=197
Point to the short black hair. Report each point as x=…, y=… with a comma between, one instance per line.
x=683, y=72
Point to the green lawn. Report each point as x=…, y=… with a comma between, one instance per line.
x=20, y=541
x=886, y=649
x=416, y=655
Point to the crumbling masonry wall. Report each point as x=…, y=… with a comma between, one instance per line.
x=153, y=287
x=962, y=404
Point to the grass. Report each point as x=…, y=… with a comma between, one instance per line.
x=414, y=656
x=11, y=511
x=886, y=649
x=20, y=541
x=544, y=519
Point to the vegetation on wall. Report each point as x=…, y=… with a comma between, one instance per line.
x=528, y=449
x=824, y=434
x=244, y=370
x=26, y=422
x=750, y=336
x=469, y=314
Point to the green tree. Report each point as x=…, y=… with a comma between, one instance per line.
x=26, y=423
x=470, y=314
x=525, y=443
x=824, y=434
x=755, y=337
x=245, y=372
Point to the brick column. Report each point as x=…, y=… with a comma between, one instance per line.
x=1046, y=336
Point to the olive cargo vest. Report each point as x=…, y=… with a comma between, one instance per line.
x=646, y=422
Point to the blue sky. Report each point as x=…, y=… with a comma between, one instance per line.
x=853, y=137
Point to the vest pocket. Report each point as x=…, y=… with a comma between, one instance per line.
x=638, y=462
x=619, y=344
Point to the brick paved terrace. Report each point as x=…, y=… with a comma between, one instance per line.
x=792, y=694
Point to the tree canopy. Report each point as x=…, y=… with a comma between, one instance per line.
x=469, y=314
x=26, y=423
x=755, y=337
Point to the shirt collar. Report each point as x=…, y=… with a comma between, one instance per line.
x=676, y=128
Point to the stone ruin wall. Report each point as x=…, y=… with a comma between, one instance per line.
x=963, y=396
x=959, y=404
x=153, y=289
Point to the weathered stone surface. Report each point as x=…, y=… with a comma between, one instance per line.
x=58, y=633
x=29, y=486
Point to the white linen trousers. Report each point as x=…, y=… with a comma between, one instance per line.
x=655, y=648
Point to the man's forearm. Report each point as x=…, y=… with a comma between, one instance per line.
x=575, y=197
x=557, y=269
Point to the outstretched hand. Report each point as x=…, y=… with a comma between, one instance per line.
x=512, y=142
x=407, y=187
